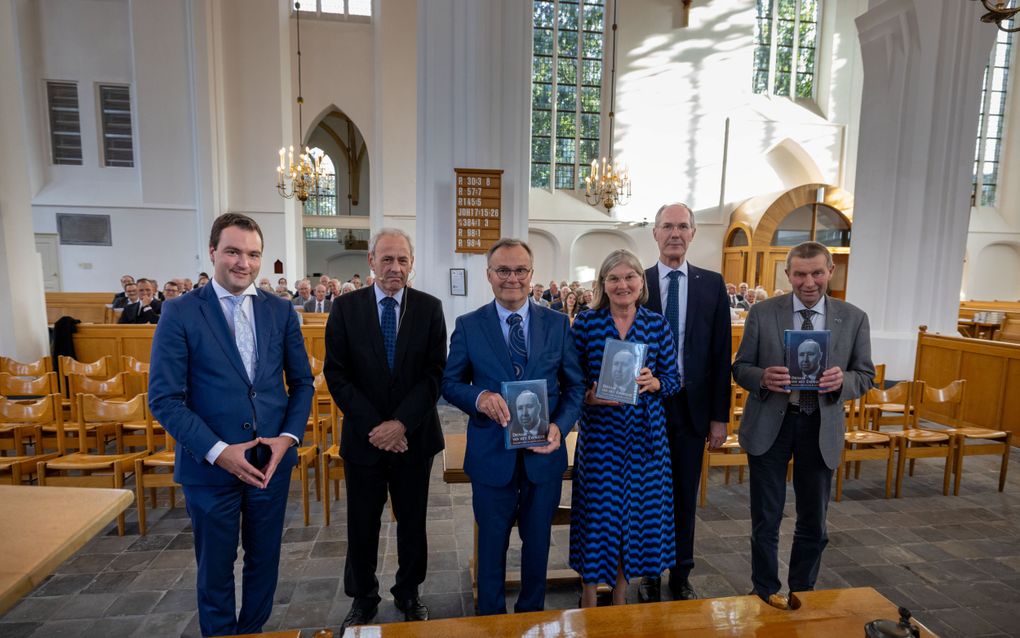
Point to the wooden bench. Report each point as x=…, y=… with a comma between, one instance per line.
x=87, y=307
x=453, y=472
x=836, y=612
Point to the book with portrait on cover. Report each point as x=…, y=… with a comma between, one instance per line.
x=621, y=364
x=807, y=355
x=529, y=413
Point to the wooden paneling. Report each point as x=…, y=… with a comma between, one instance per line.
x=87, y=307
x=992, y=371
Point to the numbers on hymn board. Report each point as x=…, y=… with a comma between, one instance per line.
x=467, y=180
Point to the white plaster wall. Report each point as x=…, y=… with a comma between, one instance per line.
x=995, y=273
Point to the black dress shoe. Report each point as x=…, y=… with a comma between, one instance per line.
x=649, y=590
x=358, y=615
x=684, y=592
x=413, y=609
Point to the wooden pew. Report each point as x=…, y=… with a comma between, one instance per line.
x=992, y=371
x=836, y=612
x=87, y=307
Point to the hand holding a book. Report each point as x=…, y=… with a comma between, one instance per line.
x=776, y=379
x=492, y=405
x=591, y=399
x=646, y=382
x=832, y=380
x=553, y=439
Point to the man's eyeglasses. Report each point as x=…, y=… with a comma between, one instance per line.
x=504, y=273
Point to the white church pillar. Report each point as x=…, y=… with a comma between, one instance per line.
x=23, y=333
x=474, y=92
x=923, y=62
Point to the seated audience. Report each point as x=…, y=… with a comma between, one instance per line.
x=571, y=306
x=203, y=279
x=304, y=293
x=731, y=293
x=124, y=280
x=536, y=295
x=356, y=280
x=742, y=290
x=347, y=287
x=187, y=286
x=552, y=293
x=778, y=291
x=171, y=290
x=333, y=289
x=369, y=280
x=146, y=309
x=749, y=297
x=130, y=296
x=265, y=285
x=589, y=298
x=319, y=303
x=620, y=529
x=282, y=282
x=760, y=294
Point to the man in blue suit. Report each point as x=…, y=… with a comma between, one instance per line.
x=216, y=384
x=695, y=303
x=508, y=340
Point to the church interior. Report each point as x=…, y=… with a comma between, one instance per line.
x=885, y=130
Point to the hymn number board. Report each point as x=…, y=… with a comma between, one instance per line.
x=479, y=209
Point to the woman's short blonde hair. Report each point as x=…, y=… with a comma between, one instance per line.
x=617, y=258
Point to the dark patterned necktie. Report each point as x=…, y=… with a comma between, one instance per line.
x=518, y=346
x=808, y=398
x=673, y=306
x=389, y=328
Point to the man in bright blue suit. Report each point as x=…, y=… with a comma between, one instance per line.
x=216, y=384
x=512, y=339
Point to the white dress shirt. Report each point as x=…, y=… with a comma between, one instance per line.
x=664, y=271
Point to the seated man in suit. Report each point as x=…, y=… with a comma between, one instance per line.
x=511, y=340
x=129, y=296
x=304, y=293
x=146, y=309
x=171, y=290
x=319, y=303
x=124, y=281
x=536, y=295
x=804, y=425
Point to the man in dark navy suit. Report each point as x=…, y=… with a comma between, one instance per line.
x=695, y=303
x=219, y=358
x=512, y=339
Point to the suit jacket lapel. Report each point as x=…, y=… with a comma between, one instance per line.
x=263, y=330
x=374, y=332
x=834, y=322
x=654, y=302
x=494, y=334
x=213, y=313
x=784, y=320
x=404, y=320
x=694, y=291
x=537, y=330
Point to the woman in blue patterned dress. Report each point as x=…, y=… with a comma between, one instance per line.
x=621, y=522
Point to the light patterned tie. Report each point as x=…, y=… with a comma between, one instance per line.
x=808, y=398
x=244, y=336
x=518, y=345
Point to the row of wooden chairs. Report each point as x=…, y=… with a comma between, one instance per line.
x=913, y=406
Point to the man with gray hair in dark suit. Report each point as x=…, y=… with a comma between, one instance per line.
x=805, y=425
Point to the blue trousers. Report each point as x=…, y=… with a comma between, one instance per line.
x=812, y=480
x=218, y=515
x=532, y=506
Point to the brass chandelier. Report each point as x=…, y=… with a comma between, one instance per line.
x=1001, y=12
x=298, y=179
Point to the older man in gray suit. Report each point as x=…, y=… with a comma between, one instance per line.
x=804, y=425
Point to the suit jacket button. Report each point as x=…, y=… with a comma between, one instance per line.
x=251, y=394
x=246, y=426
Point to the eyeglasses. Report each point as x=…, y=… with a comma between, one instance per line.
x=504, y=273
x=669, y=228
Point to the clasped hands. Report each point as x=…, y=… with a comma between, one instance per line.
x=232, y=459
x=777, y=378
x=493, y=406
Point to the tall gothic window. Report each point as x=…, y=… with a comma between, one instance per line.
x=785, y=46
x=322, y=201
x=566, y=90
x=990, y=120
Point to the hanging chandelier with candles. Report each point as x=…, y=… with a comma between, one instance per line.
x=1001, y=12
x=299, y=179
x=609, y=185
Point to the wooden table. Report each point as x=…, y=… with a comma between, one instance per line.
x=835, y=612
x=978, y=329
x=453, y=472
x=41, y=527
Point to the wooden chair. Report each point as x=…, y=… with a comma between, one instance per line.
x=316, y=365
x=914, y=442
x=945, y=406
x=30, y=369
x=97, y=470
x=308, y=450
x=28, y=387
x=140, y=383
x=152, y=472
x=730, y=453
x=99, y=369
x=888, y=407
x=116, y=388
x=23, y=421
x=331, y=463
x=862, y=444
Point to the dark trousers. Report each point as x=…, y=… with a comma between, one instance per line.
x=686, y=450
x=218, y=514
x=532, y=506
x=367, y=487
x=812, y=480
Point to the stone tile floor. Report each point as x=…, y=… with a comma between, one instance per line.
x=954, y=561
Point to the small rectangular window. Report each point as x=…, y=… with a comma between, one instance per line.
x=115, y=111
x=65, y=123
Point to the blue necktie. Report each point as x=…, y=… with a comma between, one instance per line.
x=389, y=328
x=673, y=315
x=518, y=346
x=244, y=336
x=808, y=398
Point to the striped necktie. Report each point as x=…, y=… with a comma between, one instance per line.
x=808, y=398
